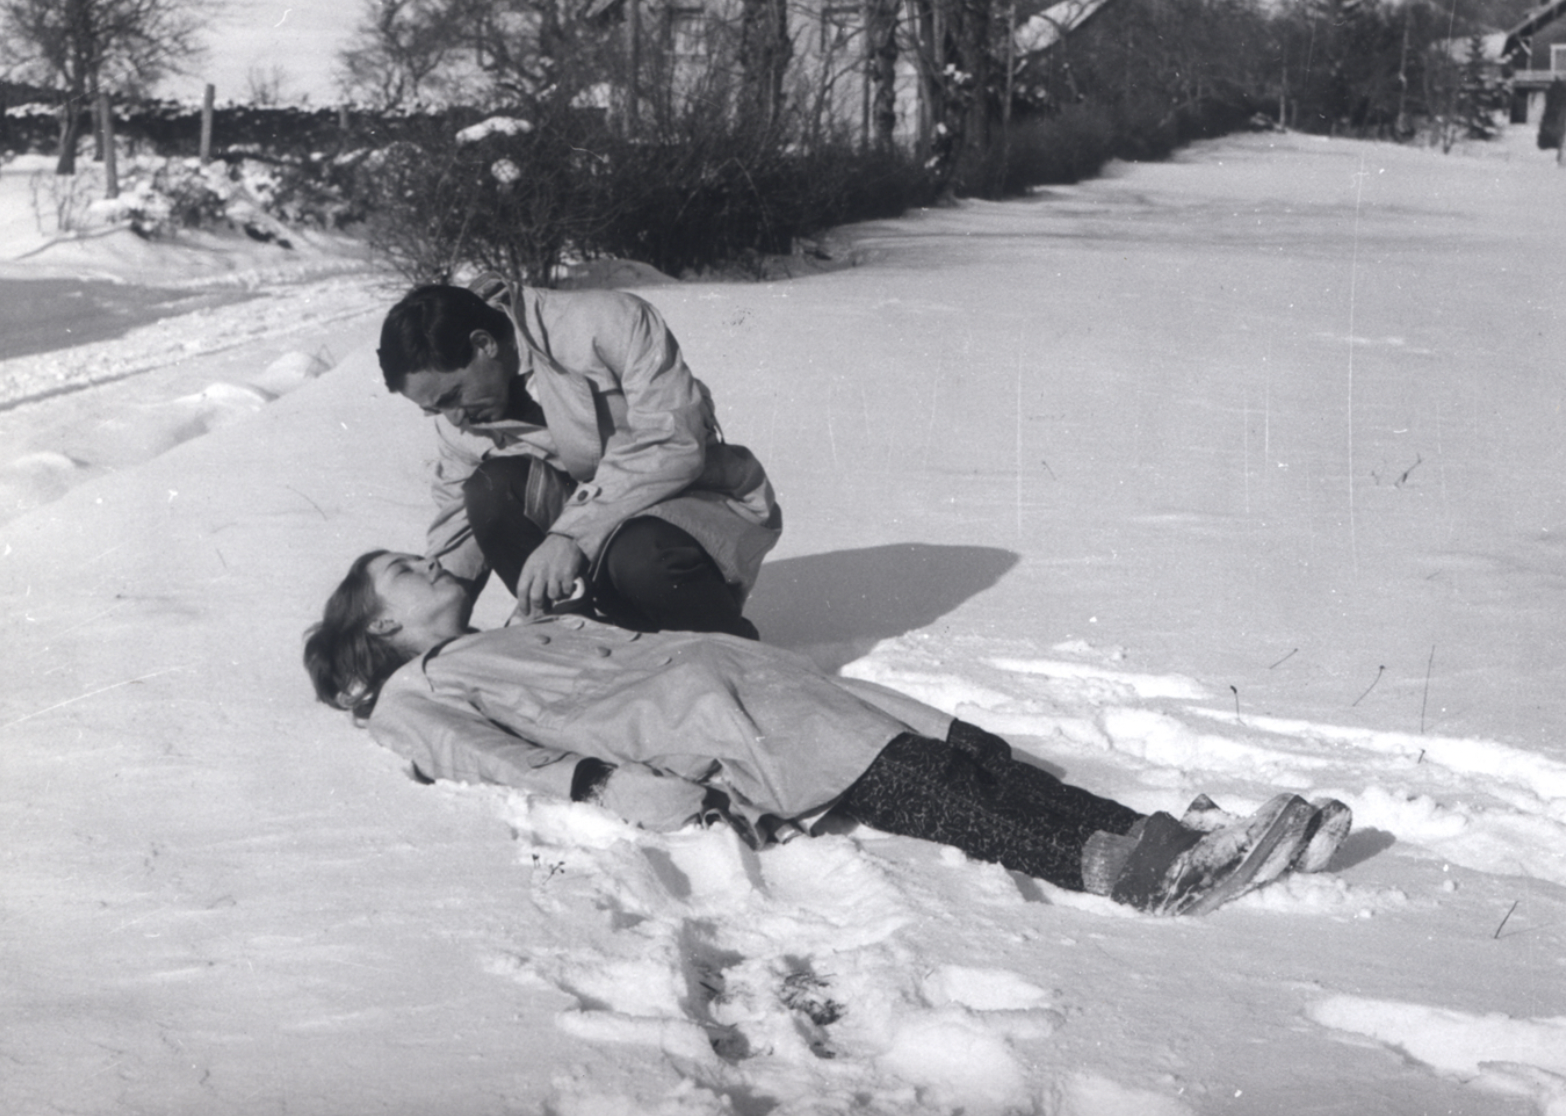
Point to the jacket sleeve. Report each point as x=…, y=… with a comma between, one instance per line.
x=661, y=447
x=450, y=538
x=446, y=739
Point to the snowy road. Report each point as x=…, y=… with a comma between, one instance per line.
x=40, y=315
x=1231, y=474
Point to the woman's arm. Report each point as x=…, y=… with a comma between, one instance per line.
x=448, y=740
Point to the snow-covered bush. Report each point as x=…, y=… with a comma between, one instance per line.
x=162, y=197
x=705, y=192
x=304, y=193
x=181, y=195
x=1059, y=147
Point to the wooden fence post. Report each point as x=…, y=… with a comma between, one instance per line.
x=111, y=170
x=867, y=62
x=633, y=101
x=206, y=123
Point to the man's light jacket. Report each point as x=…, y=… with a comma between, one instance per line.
x=628, y=421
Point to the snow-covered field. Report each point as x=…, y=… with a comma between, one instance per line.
x=1236, y=473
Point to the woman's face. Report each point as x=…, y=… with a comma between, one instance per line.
x=424, y=602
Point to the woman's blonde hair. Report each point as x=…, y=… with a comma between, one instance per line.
x=347, y=662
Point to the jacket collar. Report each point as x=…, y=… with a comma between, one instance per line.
x=565, y=396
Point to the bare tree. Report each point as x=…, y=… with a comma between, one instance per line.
x=953, y=50
x=764, y=52
x=402, y=51
x=881, y=25
x=83, y=47
x=267, y=86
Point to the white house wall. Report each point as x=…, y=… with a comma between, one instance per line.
x=826, y=83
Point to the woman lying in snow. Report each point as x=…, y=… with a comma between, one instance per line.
x=670, y=728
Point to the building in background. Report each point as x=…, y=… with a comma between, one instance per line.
x=1535, y=54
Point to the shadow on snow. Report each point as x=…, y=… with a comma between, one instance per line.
x=837, y=606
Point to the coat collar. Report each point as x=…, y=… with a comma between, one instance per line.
x=565, y=396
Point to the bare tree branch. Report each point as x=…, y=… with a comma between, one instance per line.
x=83, y=46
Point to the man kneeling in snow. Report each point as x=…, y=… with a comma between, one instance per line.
x=577, y=450
x=668, y=729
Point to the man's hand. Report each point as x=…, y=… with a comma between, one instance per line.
x=549, y=574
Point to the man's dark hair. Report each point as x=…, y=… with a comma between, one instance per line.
x=431, y=328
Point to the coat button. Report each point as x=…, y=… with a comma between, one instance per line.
x=601, y=651
x=543, y=639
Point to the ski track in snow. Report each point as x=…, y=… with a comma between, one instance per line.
x=1477, y=803
x=793, y=973
x=279, y=309
x=1524, y=1057
x=149, y=416
x=782, y=975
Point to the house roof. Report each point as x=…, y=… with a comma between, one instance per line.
x=1051, y=25
x=1541, y=16
x=602, y=9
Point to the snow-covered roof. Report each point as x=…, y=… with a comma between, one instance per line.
x=1492, y=46
x=1542, y=16
x=495, y=125
x=1047, y=28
